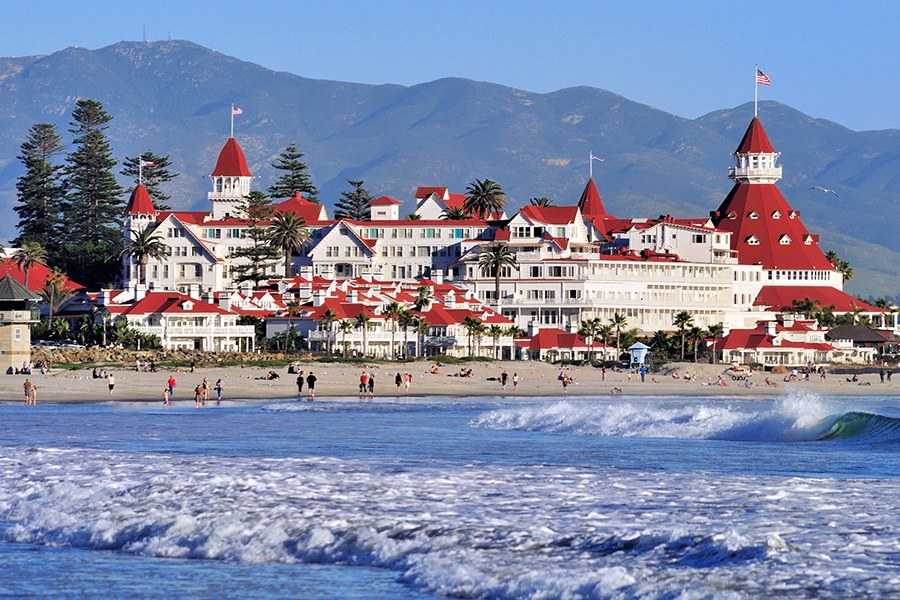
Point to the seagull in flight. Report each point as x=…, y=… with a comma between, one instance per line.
x=825, y=190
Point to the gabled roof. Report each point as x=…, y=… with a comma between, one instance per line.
x=777, y=297
x=755, y=140
x=310, y=212
x=424, y=191
x=140, y=203
x=590, y=203
x=759, y=237
x=546, y=339
x=172, y=303
x=384, y=201
x=857, y=333
x=550, y=215
x=37, y=275
x=231, y=161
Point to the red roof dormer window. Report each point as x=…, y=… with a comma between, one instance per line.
x=776, y=215
x=753, y=215
x=784, y=240
x=752, y=240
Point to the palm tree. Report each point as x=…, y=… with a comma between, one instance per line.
x=840, y=265
x=456, y=213
x=588, y=330
x=541, y=201
x=716, y=332
x=492, y=260
x=30, y=254
x=661, y=343
x=289, y=235
x=696, y=334
x=405, y=320
x=345, y=327
x=413, y=216
x=145, y=244
x=496, y=332
x=471, y=325
x=362, y=322
x=618, y=322
x=421, y=326
x=423, y=297
x=605, y=331
x=392, y=311
x=484, y=197
x=54, y=292
x=683, y=320
x=328, y=317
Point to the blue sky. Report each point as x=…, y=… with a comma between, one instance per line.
x=832, y=60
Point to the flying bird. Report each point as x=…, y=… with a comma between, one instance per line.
x=825, y=190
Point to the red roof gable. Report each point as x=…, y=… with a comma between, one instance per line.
x=551, y=215
x=591, y=204
x=779, y=296
x=140, y=202
x=546, y=339
x=172, y=303
x=231, y=161
x=755, y=140
x=763, y=232
x=37, y=275
x=424, y=192
x=310, y=212
x=384, y=201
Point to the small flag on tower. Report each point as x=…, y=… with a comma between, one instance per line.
x=762, y=78
x=239, y=111
x=597, y=158
x=147, y=163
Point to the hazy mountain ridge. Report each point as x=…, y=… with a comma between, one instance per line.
x=173, y=97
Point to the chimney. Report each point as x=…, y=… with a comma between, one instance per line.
x=437, y=276
x=318, y=298
x=140, y=292
x=104, y=297
x=771, y=327
x=787, y=321
x=533, y=328
x=306, y=271
x=225, y=302
x=571, y=327
x=193, y=291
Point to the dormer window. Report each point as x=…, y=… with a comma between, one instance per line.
x=752, y=241
x=784, y=240
x=808, y=240
x=753, y=215
x=776, y=215
x=731, y=215
x=793, y=214
x=187, y=305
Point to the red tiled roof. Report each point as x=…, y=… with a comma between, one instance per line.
x=590, y=203
x=140, y=202
x=231, y=161
x=172, y=303
x=551, y=215
x=778, y=296
x=764, y=200
x=546, y=339
x=755, y=140
x=384, y=201
x=310, y=212
x=192, y=217
x=37, y=275
x=422, y=192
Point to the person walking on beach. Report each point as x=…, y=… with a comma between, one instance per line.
x=206, y=388
x=30, y=393
x=407, y=380
x=565, y=383
x=363, y=384
x=371, y=384
x=398, y=380
x=111, y=382
x=311, y=385
x=643, y=373
x=220, y=387
x=503, y=377
x=300, y=381
x=198, y=396
x=515, y=382
x=603, y=373
x=171, y=386
x=166, y=402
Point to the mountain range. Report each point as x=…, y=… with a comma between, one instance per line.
x=173, y=98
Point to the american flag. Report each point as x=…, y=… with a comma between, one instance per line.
x=762, y=78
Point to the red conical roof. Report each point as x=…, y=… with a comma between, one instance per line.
x=590, y=203
x=231, y=161
x=140, y=202
x=755, y=140
x=766, y=231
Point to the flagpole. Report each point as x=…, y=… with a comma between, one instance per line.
x=591, y=164
x=755, y=90
x=140, y=169
x=232, y=120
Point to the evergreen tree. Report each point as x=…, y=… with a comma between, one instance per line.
x=355, y=203
x=295, y=178
x=153, y=176
x=257, y=211
x=40, y=188
x=93, y=202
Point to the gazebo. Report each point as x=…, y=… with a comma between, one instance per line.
x=16, y=316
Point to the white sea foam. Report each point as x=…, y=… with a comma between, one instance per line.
x=469, y=530
x=797, y=417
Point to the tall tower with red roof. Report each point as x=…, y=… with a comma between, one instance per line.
x=765, y=230
x=139, y=215
x=230, y=180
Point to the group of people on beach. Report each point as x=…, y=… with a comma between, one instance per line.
x=310, y=381
x=201, y=391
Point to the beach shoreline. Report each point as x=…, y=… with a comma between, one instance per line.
x=341, y=381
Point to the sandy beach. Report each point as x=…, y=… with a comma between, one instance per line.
x=337, y=380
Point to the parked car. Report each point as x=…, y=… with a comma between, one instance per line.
x=737, y=373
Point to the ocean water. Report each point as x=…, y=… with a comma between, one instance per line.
x=441, y=497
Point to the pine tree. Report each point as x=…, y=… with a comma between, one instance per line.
x=257, y=211
x=355, y=203
x=94, y=202
x=152, y=176
x=40, y=188
x=295, y=178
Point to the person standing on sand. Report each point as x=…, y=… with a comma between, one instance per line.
x=363, y=384
x=407, y=379
x=515, y=382
x=372, y=384
x=171, y=386
x=220, y=387
x=29, y=392
x=198, y=396
x=111, y=382
x=503, y=377
x=311, y=385
x=166, y=402
x=206, y=388
x=398, y=380
x=300, y=382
